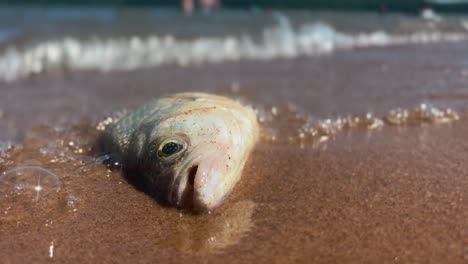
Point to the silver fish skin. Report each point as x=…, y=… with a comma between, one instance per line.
x=190, y=147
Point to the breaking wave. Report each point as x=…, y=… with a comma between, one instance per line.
x=130, y=53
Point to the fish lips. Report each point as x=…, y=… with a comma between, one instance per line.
x=182, y=189
x=198, y=187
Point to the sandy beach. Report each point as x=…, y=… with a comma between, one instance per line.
x=383, y=194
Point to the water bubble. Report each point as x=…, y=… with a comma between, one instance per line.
x=72, y=203
x=105, y=123
x=29, y=191
x=5, y=146
x=423, y=114
x=51, y=249
x=235, y=87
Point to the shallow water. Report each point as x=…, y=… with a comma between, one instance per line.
x=362, y=159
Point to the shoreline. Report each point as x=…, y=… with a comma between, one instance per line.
x=384, y=195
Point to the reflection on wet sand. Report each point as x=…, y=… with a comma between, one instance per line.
x=211, y=233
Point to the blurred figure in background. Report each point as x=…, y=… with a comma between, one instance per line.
x=188, y=6
x=209, y=5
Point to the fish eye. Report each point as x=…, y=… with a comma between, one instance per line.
x=169, y=148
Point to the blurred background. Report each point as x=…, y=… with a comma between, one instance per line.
x=52, y=36
x=372, y=5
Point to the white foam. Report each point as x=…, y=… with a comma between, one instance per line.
x=464, y=24
x=5, y=146
x=130, y=53
x=429, y=14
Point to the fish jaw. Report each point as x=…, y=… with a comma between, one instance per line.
x=205, y=184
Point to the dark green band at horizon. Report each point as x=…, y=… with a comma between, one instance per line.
x=365, y=5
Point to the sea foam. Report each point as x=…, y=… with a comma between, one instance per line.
x=130, y=53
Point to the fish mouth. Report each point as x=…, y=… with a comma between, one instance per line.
x=196, y=188
x=202, y=184
x=182, y=190
x=186, y=197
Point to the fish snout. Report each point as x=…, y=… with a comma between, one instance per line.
x=209, y=186
x=205, y=185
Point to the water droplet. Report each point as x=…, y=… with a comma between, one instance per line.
x=5, y=145
x=30, y=190
x=274, y=111
x=235, y=87
x=423, y=114
x=51, y=249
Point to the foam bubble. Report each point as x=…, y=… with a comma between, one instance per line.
x=5, y=146
x=27, y=191
x=424, y=113
x=303, y=128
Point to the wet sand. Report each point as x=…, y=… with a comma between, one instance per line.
x=394, y=194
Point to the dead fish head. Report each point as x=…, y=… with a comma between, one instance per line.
x=195, y=157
